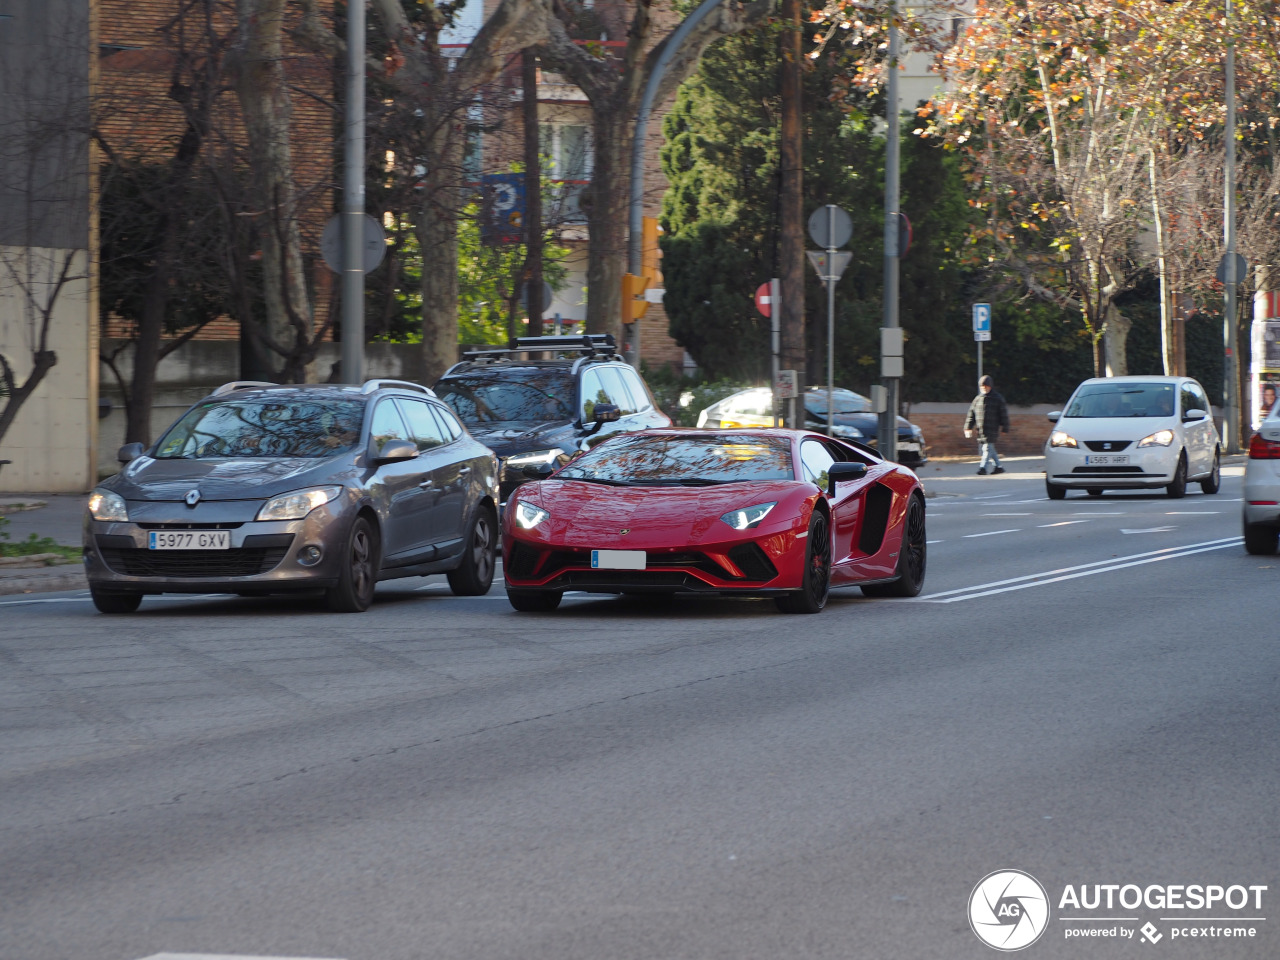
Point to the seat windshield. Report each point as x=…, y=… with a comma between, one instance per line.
x=537, y=397
x=264, y=428
x=683, y=461
x=1106, y=400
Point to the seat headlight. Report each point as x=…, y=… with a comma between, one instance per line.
x=748, y=518
x=1060, y=439
x=296, y=505
x=528, y=516
x=105, y=505
x=532, y=457
x=1161, y=438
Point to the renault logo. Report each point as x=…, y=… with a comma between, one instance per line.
x=192, y=497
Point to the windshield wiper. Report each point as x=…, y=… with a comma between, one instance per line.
x=604, y=480
x=681, y=482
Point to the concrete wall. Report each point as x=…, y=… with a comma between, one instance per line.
x=195, y=368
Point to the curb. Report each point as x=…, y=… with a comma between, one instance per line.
x=47, y=580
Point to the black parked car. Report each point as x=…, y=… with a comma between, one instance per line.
x=532, y=412
x=260, y=489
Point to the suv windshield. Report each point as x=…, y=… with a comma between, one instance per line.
x=1098, y=400
x=222, y=429
x=538, y=396
x=692, y=460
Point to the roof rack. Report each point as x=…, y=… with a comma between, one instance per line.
x=592, y=344
x=378, y=384
x=242, y=385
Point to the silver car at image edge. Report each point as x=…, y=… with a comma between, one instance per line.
x=261, y=489
x=1261, y=507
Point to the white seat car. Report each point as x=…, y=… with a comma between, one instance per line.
x=1262, y=487
x=1124, y=433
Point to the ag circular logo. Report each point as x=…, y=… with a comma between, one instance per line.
x=1008, y=910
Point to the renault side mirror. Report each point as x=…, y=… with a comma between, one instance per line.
x=839, y=472
x=130, y=451
x=396, y=450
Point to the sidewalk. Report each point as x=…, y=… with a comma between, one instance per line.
x=56, y=516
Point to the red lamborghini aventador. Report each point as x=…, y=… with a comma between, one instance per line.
x=781, y=513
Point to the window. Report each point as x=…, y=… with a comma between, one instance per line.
x=594, y=390
x=387, y=425
x=452, y=428
x=639, y=392
x=424, y=427
x=568, y=151
x=617, y=388
x=817, y=461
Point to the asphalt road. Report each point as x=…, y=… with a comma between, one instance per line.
x=1086, y=691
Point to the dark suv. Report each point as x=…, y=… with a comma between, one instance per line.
x=544, y=411
x=261, y=489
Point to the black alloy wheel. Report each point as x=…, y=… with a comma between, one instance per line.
x=911, y=557
x=474, y=574
x=534, y=601
x=1177, y=489
x=1213, y=483
x=359, y=574
x=816, y=583
x=115, y=602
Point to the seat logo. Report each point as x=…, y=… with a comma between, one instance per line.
x=192, y=497
x=1106, y=446
x=1008, y=910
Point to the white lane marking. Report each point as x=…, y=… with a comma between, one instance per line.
x=989, y=533
x=1062, y=523
x=1191, y=513
x=935, y=541
x=217, y=956
x=18, y=603
x=1104, y=513
x=1006, y=514
x=992, y=496
x=1150, y=530
x=1082, y=570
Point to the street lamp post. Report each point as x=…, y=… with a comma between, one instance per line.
x=1230, y=375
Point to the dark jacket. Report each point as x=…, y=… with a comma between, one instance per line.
x=988, y=414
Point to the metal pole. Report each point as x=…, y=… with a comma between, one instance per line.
x=775, y=336
x=1231, y=379
x=353, y=202
x=979, y=359
x=831, y=318
x=888, y=444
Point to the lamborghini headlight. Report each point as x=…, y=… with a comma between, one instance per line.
x=528, y=516
x=749, y=517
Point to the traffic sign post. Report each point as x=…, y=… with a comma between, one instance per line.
x=831, y=227
x=766, y=298
x=981, y=329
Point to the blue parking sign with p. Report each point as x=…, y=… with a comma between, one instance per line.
x=982, y=321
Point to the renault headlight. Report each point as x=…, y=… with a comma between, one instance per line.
x=105, y=505
x=296, y=505
x=1161, y=438
x=1060, y=439
x=848, y=433
x=532, y=457
x=749, y=517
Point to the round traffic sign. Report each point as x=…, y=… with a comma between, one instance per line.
x=830, y=226
x=764, y=298
x=373, y=245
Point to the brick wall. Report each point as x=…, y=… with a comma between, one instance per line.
x=138, y=118
x=943, y=426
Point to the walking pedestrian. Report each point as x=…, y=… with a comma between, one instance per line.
x=988, y=415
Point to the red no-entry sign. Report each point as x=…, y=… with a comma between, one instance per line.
x=764, y=298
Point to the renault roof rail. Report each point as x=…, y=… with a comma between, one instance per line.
x=242, y=385
x=378, y=384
